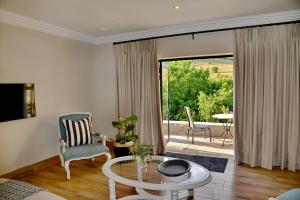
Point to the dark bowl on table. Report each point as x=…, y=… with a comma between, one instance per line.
x=174, y=167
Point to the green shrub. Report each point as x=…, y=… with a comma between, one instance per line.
x=191, y=86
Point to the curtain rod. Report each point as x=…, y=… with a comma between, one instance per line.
x=207, y=31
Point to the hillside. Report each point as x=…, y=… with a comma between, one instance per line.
x=216, y=66
x=222, y=66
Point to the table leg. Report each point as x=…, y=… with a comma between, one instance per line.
x=226, y=131
x=112, y=189
x=191, y=192
x=226, y=126
x=174, y=195
x=223, y=133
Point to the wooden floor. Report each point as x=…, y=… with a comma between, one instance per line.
x=88, y=182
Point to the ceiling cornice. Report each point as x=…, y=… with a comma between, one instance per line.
x=270, y=18
x=29, y=23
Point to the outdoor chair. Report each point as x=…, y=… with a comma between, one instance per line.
x=195, y=127
x=77, y=140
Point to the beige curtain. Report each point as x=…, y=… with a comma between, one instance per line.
x=267, y=96
x=138, y=89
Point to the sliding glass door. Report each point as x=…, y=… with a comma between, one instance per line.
x=165, y=95
x=204, y=84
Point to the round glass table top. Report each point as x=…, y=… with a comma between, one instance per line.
x=134, y=171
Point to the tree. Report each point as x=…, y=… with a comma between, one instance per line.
x=217, y=101
x=192, y=86
x=185, y=83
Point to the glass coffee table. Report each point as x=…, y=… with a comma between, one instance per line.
x=149, y=183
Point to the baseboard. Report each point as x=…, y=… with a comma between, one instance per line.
x=21, y=172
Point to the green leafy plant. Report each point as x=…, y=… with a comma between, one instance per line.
x=225, y=109
x=193, y=84
x=126, y=127
x=143, y=151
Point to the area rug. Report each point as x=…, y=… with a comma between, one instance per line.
x=17, y=190
x=213, y=164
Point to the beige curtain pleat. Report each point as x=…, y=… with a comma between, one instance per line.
x=267, y=96
x=138, y=89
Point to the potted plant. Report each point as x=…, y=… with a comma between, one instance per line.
x=126, y=136
x=143, y=151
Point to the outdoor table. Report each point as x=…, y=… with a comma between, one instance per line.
x=227, y=120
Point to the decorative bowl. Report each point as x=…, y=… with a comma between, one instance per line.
x=174, y=167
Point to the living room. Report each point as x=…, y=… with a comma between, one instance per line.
x=74, y=53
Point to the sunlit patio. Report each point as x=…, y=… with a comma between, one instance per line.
x=179, y=142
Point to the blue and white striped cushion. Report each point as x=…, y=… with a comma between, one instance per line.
x=78, y=132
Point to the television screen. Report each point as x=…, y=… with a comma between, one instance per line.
x=16, y=101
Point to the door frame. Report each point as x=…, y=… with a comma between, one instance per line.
x=161, y=60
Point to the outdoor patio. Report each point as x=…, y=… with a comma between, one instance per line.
x=179, y=143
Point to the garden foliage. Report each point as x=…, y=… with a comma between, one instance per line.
x=193, y=86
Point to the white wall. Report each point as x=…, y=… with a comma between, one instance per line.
x=103, y=89
x=59, y=69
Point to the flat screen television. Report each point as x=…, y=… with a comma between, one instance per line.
x=17, y=101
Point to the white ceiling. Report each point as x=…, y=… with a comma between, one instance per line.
x=122, y=16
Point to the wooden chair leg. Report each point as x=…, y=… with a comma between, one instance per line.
x=108, y=157
x=204, y=133
x=67, y=163
x=188, y=133
x=62, y=162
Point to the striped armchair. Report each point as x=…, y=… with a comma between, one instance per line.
x=78, y=150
